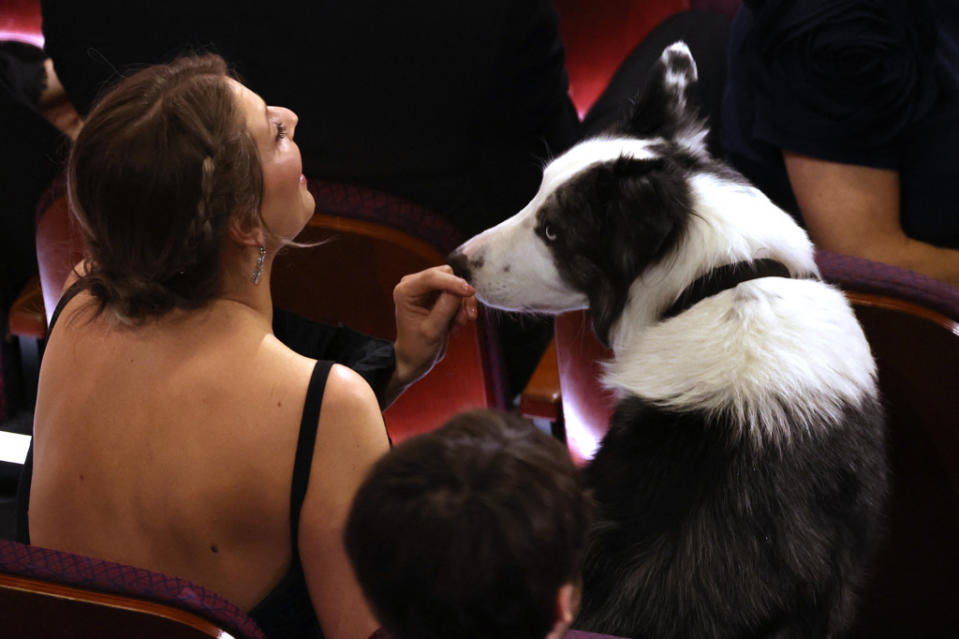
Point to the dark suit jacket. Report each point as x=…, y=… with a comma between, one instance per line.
x=452, y=104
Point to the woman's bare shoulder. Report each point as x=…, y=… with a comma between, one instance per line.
x=348, y=399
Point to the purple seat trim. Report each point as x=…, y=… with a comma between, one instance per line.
x=347, y=200
x=570, y=634
x=108, y=577
x=858, y=274
x=352, y=200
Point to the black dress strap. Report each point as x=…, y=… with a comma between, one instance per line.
x=65, y=298
x=303, y=459
x=25, y=481
x=287, y=610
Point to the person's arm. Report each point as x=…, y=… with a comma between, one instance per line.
x=55, y=106
x=428, y=305
x=855, y=210
x=351, y=437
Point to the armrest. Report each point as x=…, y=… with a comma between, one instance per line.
x=542, y=398
x=27, y=317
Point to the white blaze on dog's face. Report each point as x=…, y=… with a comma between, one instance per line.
x=512, y=268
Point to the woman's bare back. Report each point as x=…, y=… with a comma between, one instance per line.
x=170, y=445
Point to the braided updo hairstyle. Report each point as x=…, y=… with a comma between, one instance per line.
x=161, y=166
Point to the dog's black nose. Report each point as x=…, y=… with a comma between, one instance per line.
x=460, y=263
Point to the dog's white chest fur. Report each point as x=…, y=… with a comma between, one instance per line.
x=751, y=352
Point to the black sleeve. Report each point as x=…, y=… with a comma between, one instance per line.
x=531, y=70
x=71, y=39
x=373, y=358
x=528, y=117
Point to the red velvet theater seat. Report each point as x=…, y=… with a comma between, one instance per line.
x=20, y=20
x=598, y=35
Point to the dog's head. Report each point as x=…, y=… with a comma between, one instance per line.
x=611, y=211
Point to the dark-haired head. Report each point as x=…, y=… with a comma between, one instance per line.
x=474, y=530
x=162, y=165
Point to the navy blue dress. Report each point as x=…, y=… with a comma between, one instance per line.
x=867, y=82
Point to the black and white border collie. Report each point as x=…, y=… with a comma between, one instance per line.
x=740, y=485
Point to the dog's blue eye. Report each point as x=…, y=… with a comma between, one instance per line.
x=549, y=233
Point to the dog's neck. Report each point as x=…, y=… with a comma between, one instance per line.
x=723, y=278
x=745, y=354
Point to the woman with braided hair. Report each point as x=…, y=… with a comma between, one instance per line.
x=170, y=419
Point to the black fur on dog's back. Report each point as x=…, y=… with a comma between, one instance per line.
x=701, y=535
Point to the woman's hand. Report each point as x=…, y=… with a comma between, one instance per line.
x=428, y=305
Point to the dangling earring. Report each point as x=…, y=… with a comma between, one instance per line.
x=258, y=269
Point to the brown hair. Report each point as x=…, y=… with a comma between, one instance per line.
x=469, y=531
x=160, y=167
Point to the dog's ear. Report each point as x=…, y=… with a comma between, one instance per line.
x=645, y=205
x=603, y=289
x=668, y=106
x=605, y=305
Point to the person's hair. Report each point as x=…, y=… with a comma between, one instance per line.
x=470, y=530
x=160, y=167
